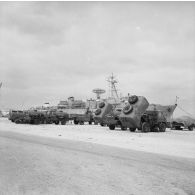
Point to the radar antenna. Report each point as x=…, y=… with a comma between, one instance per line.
x=98, y=92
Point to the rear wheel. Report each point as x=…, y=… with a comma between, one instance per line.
x=102, y=124
x=90, y=122
x=190, y=128
x=162, y=127
x=111, y=127
x=76, y=122
x=56, y=122
x=132, y=129
x=145, y=127
x=63, y=122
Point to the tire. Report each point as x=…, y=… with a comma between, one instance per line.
x=57, y=122
x=127, y=109
x=190, y=128
x=63, y=122
x=112, y=127
x=98, y=111
x=133, y=99
x=90, y=122
x=17, y=121
x=76, y=122
x=145, y=127
x=101, y=104
x=132, y=129
x=102, y=124
x=162, y=127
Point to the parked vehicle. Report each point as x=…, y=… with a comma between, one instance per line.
x=183, y=122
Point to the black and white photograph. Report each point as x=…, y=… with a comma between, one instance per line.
x=97, y=97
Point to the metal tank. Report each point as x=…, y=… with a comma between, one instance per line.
x=132, y=112
x=103, y=109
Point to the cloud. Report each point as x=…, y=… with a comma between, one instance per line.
x=50, y=50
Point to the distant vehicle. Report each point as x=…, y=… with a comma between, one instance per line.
x=77, y=110
x=183, y=122
x=15, y=115
x=38, y=117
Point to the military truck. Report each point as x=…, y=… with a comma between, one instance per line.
x=77, y=111
x=136, y=116
x=153, y=121
x=56, y=117
x=183, y=122
x=16, y=115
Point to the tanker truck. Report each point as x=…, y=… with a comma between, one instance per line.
x=132, y=114
x=136, y=115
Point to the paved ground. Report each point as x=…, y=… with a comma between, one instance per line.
x=173, y=143
x=37, y=165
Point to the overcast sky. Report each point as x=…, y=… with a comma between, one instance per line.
x=50, y=51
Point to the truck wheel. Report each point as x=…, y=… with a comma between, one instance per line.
x=132, y=129
x=101, y=104
x=127, y=109
x=90, y=122
x=112, y=127
x=190, y=128
x=133, y=99
x=145, y=127
x=63, y=122
x=56, y=122
x=17, y=121
x=162, y=127
x=76, y=122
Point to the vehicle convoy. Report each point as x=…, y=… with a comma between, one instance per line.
x=183, y=122
x=38, y=117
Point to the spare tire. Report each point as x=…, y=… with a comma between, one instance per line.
x=101, y=104
x=127, y=109
x=98, y=111
x=133, y=99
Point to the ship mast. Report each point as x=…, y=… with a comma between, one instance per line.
x=112, y=88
